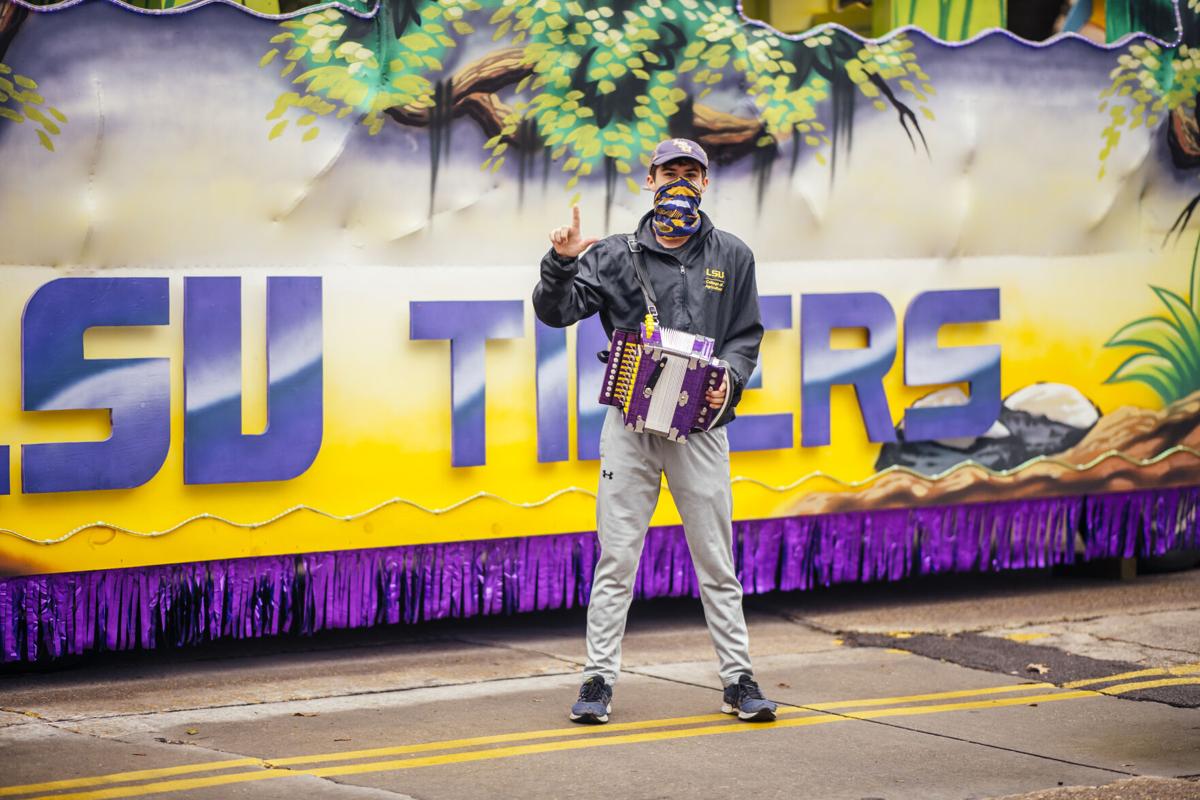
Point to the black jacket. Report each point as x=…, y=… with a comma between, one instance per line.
x=711, y=292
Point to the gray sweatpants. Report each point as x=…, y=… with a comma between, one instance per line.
x=697, y=472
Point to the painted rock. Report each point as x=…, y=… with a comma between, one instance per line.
x=1040, y=419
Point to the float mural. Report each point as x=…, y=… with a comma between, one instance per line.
x=271, y=363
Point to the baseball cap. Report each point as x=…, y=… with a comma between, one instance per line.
x=671, y=149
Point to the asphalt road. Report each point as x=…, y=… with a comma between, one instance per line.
x=1024, y=685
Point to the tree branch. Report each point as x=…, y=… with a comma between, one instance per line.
x=473, y=89
x=726, y=136
x=1183, y=138
x=906, y=114
x=11, y=17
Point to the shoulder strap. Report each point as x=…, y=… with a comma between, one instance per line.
x=639, y=269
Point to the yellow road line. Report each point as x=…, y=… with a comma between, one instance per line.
x=123, y=777
x=913, y=698
x=1131, y=687
x=1182, y=669
x=475, y=741
x=502, y=738
x=563, y=745
x=684, y=733
x=178, y=785
x=580, y=739
x=577, y=730
x=489, y=754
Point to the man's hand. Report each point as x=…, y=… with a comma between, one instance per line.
x=568, y=241
x=716, y=397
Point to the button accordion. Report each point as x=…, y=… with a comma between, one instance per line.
x=658, y=378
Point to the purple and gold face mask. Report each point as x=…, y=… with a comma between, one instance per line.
x=677, y=208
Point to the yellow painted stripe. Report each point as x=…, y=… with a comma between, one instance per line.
x=996, y=703
x=557, y=746
x=124, y=777
x=477, y=741
x=1182, y=669
x=916, y=698
x=577, y=744
x=502, y=738
x=597, y=738
x=576, y=730
x=178, y=785
x=683, y=733
x=1132, y=687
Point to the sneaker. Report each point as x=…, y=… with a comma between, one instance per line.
x=594, y=703
x=745, y=699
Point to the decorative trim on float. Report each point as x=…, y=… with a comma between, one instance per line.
x=1004, y=32
x=316, y=8
x=746, y=20
x=783, y=488
x=50, y=617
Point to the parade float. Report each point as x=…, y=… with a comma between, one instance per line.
x=270, y=364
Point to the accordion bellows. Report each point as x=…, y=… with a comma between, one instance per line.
x=658, y=378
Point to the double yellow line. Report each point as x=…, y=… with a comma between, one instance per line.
x=576, y=737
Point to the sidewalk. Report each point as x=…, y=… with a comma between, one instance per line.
x=965, y=687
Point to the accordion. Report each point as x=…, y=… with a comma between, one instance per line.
x=658, y=378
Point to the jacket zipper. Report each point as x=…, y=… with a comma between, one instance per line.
x=686, y=299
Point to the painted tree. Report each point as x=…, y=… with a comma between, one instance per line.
x=1156, y=87
x=591, y=87
x=20, y=99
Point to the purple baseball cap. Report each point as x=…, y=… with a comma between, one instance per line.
x=671, y=149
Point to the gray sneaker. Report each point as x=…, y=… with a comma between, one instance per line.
x=594, y=703
x=745, y=699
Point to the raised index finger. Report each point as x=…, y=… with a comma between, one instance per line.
x=575, y=219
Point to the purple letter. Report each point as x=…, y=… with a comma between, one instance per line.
x=468, y=324
x=56, y=377
x=552, y=422
x=765, y=431
x=589, y=372
x=214, y=448
x=925, y=364
x=822, y=367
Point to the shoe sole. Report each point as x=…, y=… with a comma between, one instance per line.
x=762, y=715
x=592, y=719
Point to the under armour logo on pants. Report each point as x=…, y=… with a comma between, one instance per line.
x=606, y=474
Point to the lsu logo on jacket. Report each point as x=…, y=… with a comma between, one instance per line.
x=714, y=279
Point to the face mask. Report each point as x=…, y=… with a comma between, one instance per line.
x=676, y=208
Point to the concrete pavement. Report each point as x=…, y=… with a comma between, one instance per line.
x=956, y=687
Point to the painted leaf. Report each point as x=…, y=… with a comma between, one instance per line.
x=1188, y=322
x=418, y=42
x=1147, y=369
x=1194, y=282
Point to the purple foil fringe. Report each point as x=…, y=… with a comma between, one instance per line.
x=48, y=617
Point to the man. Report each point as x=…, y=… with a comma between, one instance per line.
x=703, y=282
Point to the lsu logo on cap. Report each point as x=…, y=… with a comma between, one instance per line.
x=714, y=279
